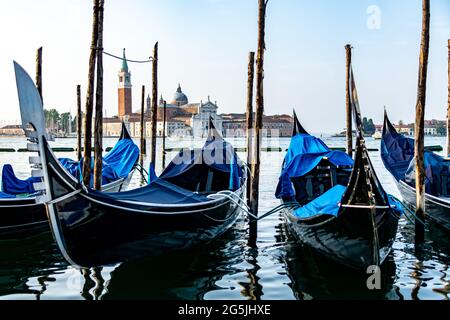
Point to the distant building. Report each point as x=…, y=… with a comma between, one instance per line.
x=173, y=127
x=195, y=115
x=124, y=89
x=431, y=128
x=183, y=118
x=407, y=129
x=234, y=124
x=12, y=130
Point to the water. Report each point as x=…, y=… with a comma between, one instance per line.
x=227, y=268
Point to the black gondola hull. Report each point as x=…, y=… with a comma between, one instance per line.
x=23, y=217
x=97, y=234
x=347, y=240
x=93, y=229
x=436, y=209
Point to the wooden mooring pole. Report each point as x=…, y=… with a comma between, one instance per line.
x=348, y=109
x=90, y=100
x=98, y=130
x=262, y=4
x=419, y=125
x=448, y=105
x=79, y=122
x=249, y=114
x=39, y=72
x=164, y=136
x=142, y=124
x=154, y=117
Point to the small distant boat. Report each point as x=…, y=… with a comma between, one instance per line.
x=377, y=135
x=194, y=200
x=397, y=153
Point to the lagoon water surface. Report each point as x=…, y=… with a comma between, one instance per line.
x=279, y=268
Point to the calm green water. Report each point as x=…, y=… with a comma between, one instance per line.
x=227, y=268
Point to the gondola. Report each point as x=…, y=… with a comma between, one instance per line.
x=344, y=214
x=397, y=153
x=195, y=199
x=23, y=215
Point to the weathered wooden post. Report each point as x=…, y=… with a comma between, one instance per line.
x=419, y=125
x=79, y=122
x=142, y=123
x=262, y=4
x=154, y=117
x=39, y=72
x=448, y=106
x=249, y=115
x=348, y=108
x=89, y=100
x=164, y=137
x=98, y=132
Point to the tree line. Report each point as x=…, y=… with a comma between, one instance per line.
x=59, y=122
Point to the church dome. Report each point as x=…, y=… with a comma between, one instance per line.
x=179, y=98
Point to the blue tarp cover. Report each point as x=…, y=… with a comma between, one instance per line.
x=327, y=203
x=13, y=185
x=158, y=192
x=117, y=164
x=397, y=153
x=6, y=195
x=304, y=154
x=435, y=167
x=216, y=153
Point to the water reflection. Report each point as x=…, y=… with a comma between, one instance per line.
x=93, y=286
x=315, y=277
x=187, y=274
x=20, y=260
x=278, y=268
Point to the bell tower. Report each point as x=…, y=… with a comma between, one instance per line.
x=124, y=89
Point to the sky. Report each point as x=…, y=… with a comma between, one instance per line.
x=204, y=45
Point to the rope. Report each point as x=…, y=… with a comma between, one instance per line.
x=406, y=209
x=150, y=59
x=227, y=194
x=141, y=170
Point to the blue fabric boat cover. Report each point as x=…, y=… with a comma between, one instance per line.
x=304, y=154
x=13, y=185
x=435, y=168
x=6, y=195
x=151, y=173
x=216, y=154
x=327, y=203
x=397, y=153
x=157, y=192
x=117, y=164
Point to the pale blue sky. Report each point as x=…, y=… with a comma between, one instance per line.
x=204, y=44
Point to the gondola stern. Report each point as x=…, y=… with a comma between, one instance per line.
x=388, y=127
x=298, y=128
x=124, y=134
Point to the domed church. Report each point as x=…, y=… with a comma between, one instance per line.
x=194, y=115
x=179, y=98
